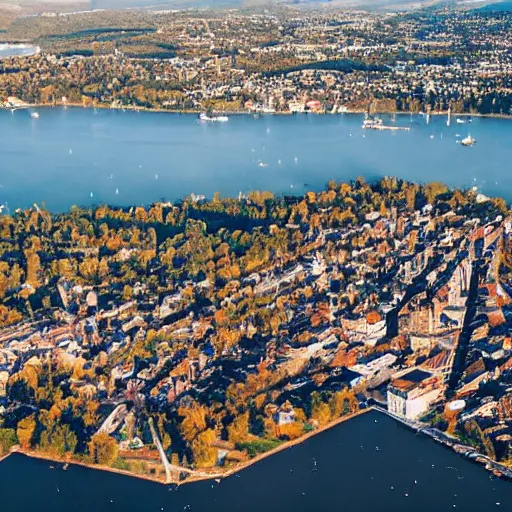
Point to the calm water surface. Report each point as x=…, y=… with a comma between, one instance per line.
x=17, y=50
x=82, y=156
x=370, y=463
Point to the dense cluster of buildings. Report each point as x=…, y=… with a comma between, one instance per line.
x=404, y=309
x=282, y=61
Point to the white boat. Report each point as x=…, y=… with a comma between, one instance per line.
x=468, y=141
x=372, y=123
x=263, y=164
x=460, y=121
x=376, y=123
x=213, y=119
x=35, y=115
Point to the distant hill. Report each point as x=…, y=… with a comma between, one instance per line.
x=497, y=6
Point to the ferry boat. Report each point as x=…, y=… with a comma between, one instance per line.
x=468, y=141
x=213, y=119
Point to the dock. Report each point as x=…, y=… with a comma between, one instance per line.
x=392, y=128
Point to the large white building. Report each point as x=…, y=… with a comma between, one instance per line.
x=411, y=394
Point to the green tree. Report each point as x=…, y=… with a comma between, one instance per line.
x=7, y=440
x=103, y=449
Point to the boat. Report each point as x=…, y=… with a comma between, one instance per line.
x=460, y=121
x=372, y=123
x=376, y=123
x=35, y=115
x=468, y=141
x=213, y=119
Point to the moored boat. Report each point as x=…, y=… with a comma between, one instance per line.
x=213, y=119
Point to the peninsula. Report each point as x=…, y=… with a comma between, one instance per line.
x=184, y=340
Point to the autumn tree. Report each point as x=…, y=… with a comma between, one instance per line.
x=238, y=430
x=194, y=421
x=25, y=431
x=103, y=449
x=204, y=454
x=320, y=411
x=343, y=402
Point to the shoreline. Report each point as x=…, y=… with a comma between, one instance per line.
x=452, y=443
x=63, y=460
x=284, y=446
x=496, y=468
x=160, y=110
x=193, y=478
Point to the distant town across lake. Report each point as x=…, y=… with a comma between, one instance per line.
x=368, y=463
x=78, y=156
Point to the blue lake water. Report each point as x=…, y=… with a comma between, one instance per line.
x=83, y=156
x=368, y=464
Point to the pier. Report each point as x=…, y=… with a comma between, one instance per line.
x=391, y=128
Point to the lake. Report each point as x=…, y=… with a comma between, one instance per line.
x=370, y=463
x=17, y=50
x=86, y=156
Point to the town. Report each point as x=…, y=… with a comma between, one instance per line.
x=185, y=340
x=270, y=60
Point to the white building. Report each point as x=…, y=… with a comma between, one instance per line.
x=411, y=394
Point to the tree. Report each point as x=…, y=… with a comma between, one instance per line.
x=204, y=454
x=194, y=421
x=25, y=431
x=7, y=440
x=319, y=410
x=321, y=413
x=238, y=431
x=127, y=292
x=33, y=268
x=291, y=430
x=343, y=402
x=58, y=440
x=410, y=196
x=103, y=449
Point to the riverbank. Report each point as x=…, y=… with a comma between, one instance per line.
x=160, y=110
